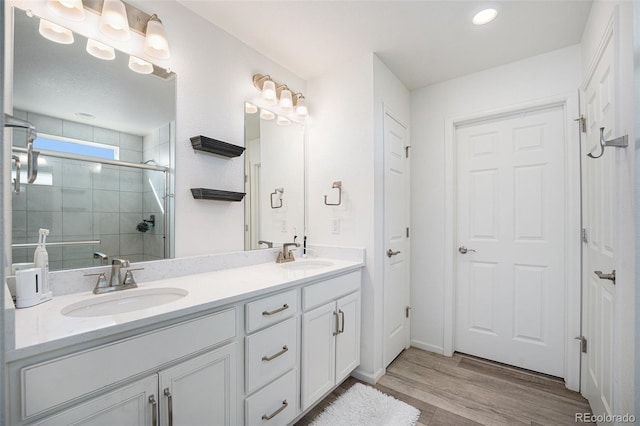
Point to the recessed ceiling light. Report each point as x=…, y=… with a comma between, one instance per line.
x=484, y=16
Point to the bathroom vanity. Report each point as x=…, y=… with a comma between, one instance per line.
x=258, y=344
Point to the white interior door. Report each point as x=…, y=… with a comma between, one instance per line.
x=600, y=218
x=396, y=222
x=510, y=267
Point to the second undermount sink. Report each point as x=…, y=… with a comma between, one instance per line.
x=305, y=265
x=123, y=301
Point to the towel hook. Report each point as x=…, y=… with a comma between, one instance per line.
x=619, y=142
x=338, y=185
x=277, y=191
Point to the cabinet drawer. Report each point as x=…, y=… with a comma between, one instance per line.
x=274, y=405
x=270, y=310
x=51, y=383
x=331, y=289
x=270, y=353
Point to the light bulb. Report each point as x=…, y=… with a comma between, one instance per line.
x=283, y=121
x=265, y=114
x=68, y=9
x=114, y=22
x=100, y=50
x=301, y=107
x=286, y=103
x=250, y=108
x=269, y=92
x=55, y=32
x=140, y=65
x=155, y=42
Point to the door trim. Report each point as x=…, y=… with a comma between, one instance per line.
x=570, y=108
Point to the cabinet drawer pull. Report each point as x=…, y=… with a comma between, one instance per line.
x=285, y=404
x=275, y=311
x=342, y=322
x=169, y=405
x=274, y=356
x=154, y=410
x=335, y=314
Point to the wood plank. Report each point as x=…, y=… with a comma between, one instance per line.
x=464, y=390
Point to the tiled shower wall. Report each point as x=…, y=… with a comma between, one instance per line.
x=83, y=201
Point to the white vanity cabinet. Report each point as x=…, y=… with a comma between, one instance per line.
x=190, y=370
x=200, y=391
x=330, y=335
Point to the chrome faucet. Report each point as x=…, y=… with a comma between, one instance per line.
x=268, y=243
x=116, y=281
x=286, y=255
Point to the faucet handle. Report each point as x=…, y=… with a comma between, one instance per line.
x=102, y=281
x=128, y=277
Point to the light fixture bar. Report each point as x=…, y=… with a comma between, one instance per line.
x=260, y=79
x=137, y=18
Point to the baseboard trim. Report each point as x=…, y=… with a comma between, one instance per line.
x=427, y=347
x=372, y=379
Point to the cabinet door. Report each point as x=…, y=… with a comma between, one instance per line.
x=129, y=405
x=348, y=338
x=201, y=391
x=318, y=353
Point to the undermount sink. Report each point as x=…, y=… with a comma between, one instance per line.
x=305, y=265
x=123, y=301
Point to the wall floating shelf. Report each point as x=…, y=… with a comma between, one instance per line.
x=213, y=146
x=216, y=194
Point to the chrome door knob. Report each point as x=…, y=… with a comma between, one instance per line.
x=464, y=250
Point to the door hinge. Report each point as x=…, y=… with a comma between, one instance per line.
x=407, y=232
x=583, y=343
x=406, y=311
x=582, y=122
x=583, y=235
x=406, y=151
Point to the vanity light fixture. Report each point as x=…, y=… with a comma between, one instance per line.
x=140, y=65
x=484, y=16
x=55, y=32
x=113, y=21
x=250, y=108
x=100, y=50
x=283, y=121
x=275, y=93
x=68, y=9
x=301, y=106
x=155, y=42
x=265, y=114
x=286, y=102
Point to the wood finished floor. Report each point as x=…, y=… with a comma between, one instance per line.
x=463, y=390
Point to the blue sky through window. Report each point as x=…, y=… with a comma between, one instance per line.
x=79, y=148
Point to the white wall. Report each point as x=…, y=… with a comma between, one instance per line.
x=636, y=46
x=539, y=77
x=601, y=12
x=345, y=144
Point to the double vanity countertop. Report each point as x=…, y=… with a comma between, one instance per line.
x=44, y=327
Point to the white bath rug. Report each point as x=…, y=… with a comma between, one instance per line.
x=365, y=406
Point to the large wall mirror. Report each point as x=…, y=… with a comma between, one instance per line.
x=83, y=108
x=274, y=168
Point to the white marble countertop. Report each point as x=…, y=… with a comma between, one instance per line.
x=43, y=327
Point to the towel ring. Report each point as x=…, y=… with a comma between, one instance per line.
x=620, y=142
x=276, y=191
x=338, y=185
